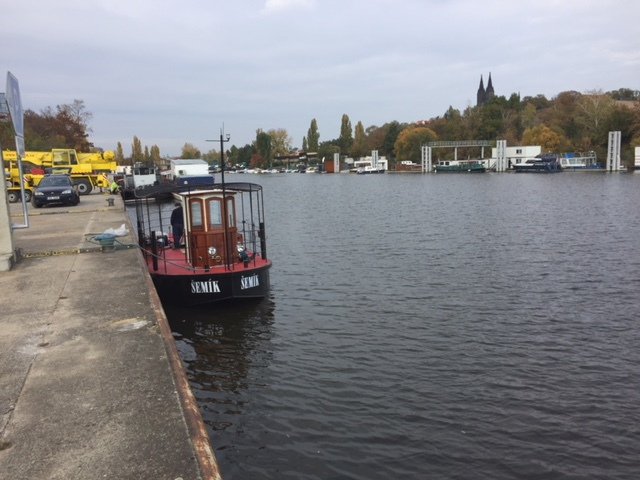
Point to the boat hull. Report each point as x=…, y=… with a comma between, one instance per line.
x=460, y=169
x=212, y=287
x=537, y=168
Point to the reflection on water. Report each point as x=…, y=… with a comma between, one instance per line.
x=219, y=346
x=432, y=326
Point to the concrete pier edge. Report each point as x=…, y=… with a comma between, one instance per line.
x=57, y=252
x=197, y=428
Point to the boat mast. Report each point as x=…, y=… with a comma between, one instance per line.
x=225, y=138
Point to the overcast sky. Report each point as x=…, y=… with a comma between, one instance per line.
x=173, y=71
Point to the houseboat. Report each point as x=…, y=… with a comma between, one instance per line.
x=206, y=244
x=544, y=163
x=580, y=161
x=459, y=166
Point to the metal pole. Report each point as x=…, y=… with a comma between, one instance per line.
x=227, y=247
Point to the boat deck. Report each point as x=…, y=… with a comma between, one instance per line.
x=171, y=261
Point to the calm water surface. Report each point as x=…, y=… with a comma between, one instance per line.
x=436, y=326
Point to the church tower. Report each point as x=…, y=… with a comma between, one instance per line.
x=480, y=98
x=485, y=95
x=488, y=94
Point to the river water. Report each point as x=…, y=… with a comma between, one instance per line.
x=431, y=326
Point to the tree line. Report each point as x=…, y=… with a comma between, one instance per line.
x=65, y=126
x=569, y=122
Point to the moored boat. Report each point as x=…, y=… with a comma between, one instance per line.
x=547, y=163
x=459, y=166
x=580, y=162
x=368, y=169
x=141, y=176
x=220, y=254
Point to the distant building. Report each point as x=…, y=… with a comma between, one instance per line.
x=483, y=95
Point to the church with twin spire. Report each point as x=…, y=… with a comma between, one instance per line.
x=484, y=95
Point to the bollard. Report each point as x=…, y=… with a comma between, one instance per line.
x=110, y=202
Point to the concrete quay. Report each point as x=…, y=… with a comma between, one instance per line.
x=91, y=385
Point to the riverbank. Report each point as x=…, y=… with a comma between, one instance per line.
x=91, y=385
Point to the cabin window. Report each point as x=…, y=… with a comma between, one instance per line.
x=215, y=213
x=231, y=212
x=518, y=151
x=196, y=215
x=60, y=158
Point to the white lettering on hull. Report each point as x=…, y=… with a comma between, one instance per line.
x=249, y=282
x=207, y=286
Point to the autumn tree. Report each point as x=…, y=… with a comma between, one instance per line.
x=190, y=151
x=409, y=143
x=280, y=141
x=257, y=161
x=313, y=137
x=212, y=156
x=594, y=110
x=65, y=127
x=346, y=135
x=543, y=136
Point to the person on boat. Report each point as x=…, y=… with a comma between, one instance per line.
x=177, y=224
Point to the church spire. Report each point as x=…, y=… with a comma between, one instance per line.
x=480, y=98
x=489, y=92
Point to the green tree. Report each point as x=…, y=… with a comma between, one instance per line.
x=190, y=151
x=491, y=119
x=305, y=145
x=313, y=137
x=136, y=150
x=625, y=94
x=327, y=148
x=393, y=130
x=359, y=146
x=119, y=154
x=346, y=135
x=244, y=155
x=263, y=154
x=529, y=115
x=155, y=155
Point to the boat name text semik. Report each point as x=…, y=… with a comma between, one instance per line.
x=208, y=286
x=249, y=282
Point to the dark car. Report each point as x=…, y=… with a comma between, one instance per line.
x=55, y=189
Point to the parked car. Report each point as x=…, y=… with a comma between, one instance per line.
x=55, y=189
